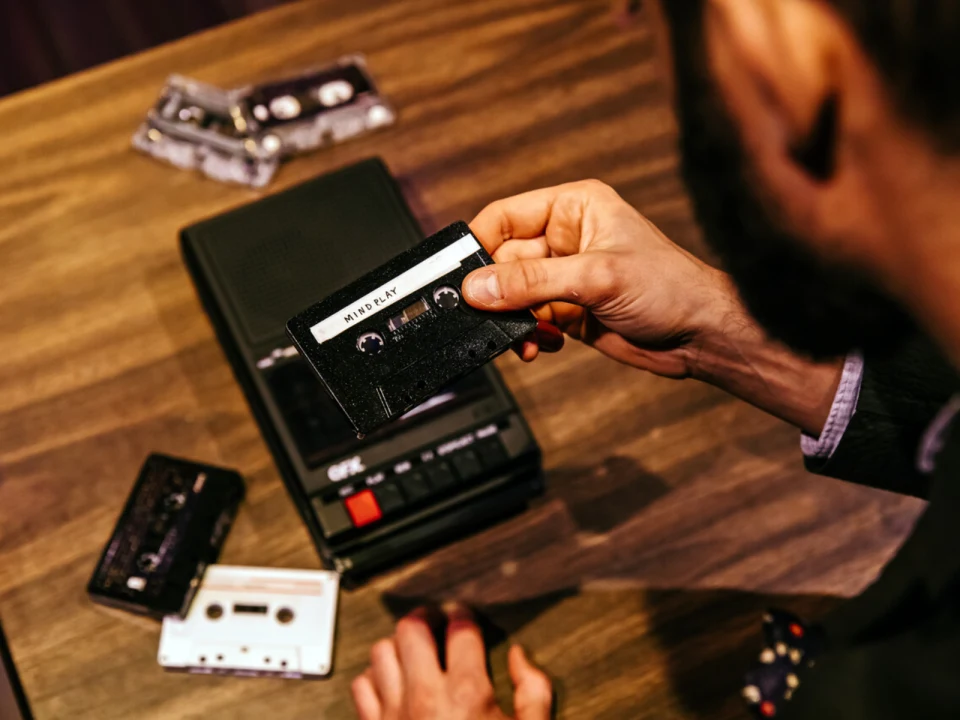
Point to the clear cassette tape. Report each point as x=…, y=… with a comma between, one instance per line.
x=195, y=126
x=318, y=107
x=247, y=621
x=240, y=136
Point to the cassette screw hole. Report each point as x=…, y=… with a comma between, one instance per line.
x=283, y=663
x=472, y=353
x=220, y=658
x=203, y=658
x=491, y=345
x=284, y=615
x=421, y=385
x=243, y=649
x=214, y=612
x=266, y=660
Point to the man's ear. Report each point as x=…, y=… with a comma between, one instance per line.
x=774, y=62
x=805, y=98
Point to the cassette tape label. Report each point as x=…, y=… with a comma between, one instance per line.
x=426, y=272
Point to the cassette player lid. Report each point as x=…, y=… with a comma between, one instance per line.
x=397, y=336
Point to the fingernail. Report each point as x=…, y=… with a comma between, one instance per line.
x=483, y=287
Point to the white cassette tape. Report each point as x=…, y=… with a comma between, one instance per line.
x=254, y=622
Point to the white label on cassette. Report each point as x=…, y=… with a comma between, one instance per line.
x=409, y=281
x=255, y=622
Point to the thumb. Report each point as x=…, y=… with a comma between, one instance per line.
x=532, y=693
x=521, y=284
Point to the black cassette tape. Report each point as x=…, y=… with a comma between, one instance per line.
x=172, y=527
x=391, y=340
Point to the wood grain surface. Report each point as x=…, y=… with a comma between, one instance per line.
x=674, y=514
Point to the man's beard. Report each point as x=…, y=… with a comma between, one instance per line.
x=816, y=308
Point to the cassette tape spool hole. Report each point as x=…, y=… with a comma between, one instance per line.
x=446, y=297
x=370, y=343
x=214, y=611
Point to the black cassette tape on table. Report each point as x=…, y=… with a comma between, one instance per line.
x=461, y=458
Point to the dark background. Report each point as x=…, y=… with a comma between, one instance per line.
x=41, y=40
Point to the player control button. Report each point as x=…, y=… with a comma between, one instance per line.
x=389, y=497
x=467, y=464
x=414, y=485
x=491, y=453
x=441, y=476
x=446, y=297
x=333, y=516
x=370, y=343
x=363, y=508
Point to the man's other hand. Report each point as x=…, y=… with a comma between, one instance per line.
x=405, y=680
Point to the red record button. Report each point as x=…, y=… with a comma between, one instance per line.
x=363, y=508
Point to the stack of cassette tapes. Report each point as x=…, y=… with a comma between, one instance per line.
x=161, y=560
x=242, y=135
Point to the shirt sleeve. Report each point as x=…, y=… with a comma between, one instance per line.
x=841, y=412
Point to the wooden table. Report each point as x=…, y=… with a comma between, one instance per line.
x=673, y=512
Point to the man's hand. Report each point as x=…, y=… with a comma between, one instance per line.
x=590, y=264
x=584, y=260
x=405, y=680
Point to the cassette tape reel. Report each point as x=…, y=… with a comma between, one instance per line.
x=249, y=621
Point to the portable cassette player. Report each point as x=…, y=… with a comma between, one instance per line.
x=463, y=458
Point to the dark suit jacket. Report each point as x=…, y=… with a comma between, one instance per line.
x=894, y=651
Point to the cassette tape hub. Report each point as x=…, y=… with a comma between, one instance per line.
x=462, y=459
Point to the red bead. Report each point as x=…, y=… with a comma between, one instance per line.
x=767, y=709
x=796, y=630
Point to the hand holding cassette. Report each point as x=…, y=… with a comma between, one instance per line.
x=390, y=341
x=589, y=263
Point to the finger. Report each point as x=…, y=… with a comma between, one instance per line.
x=532, y=692
x=522, y=250
x=526, y=349
x=582, y=279
x=466, y=655
x=554, y=212
x=419, y=661
x=365, y=698
x=549, y=338
x=386, y=674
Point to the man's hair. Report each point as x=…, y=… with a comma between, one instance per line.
x=916, y=46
